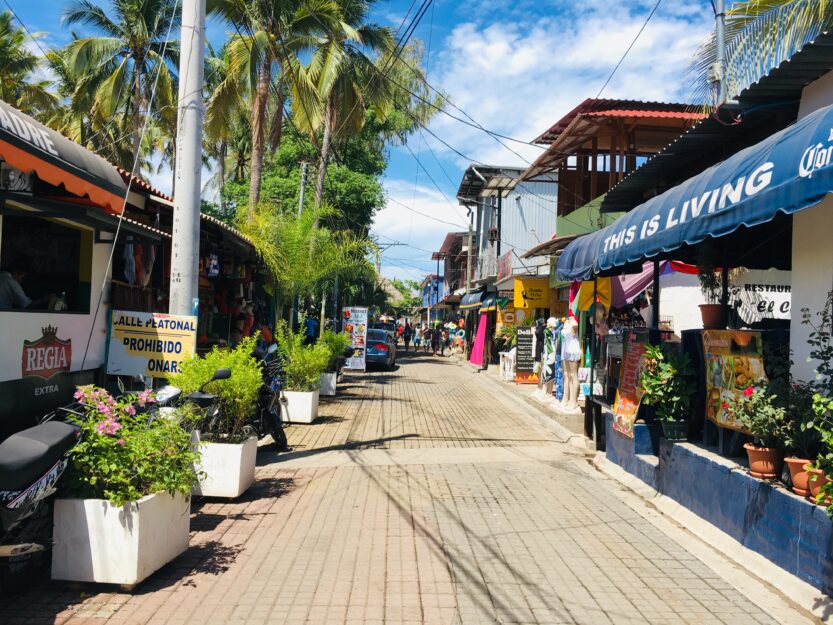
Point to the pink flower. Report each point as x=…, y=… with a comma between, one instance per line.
x=79, y=394
x=120, y=441
x=747, y=392
x=130, y=410
x=146, y=397
x=725, y=405
x=108, y=426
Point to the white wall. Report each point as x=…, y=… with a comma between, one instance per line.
x=17, y=326
x=812, y=271
x=680, y=296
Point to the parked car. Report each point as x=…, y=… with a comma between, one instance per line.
x=381, y=348
x=387, y=326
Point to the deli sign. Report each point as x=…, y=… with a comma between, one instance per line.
x=47, y=355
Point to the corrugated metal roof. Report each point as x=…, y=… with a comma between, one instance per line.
x=767, y=106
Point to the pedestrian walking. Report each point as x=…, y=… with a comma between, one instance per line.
x=436, y=340
x=427, y=337
x=417, y=338
x=407, y=333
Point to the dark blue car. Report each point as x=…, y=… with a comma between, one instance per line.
x=380, y=349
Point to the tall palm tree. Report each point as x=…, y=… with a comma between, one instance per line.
x=271, y=35
x=18, y=87
x=760, y=35
x=120, y=66
x=347, y=81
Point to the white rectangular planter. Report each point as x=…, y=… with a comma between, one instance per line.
x=300, y=407
x=229, y=468
x=95, y=541
x=328, y=384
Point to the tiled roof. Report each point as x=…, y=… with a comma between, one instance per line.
x=142, y=183
x=647, y=113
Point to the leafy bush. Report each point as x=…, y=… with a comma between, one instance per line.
x=124, y=455
x=237, y=395
x=667, y=381
x=760, y=412
x=336, y=343
x=303, y=364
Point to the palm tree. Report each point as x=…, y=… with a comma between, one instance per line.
x=347, y=81
x=17, y=85
x=760, y=35
x=130, y=57
x=271, y=35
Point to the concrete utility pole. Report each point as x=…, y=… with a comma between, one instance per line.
x=720, y=49
x=185, y=244
x=304, y=168
x=468, y=254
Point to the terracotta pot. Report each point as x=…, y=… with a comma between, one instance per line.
x=816, y=484
x=712, y=316
x=800, y=477
x=764, y=462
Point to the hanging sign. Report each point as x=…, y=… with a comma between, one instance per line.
x=525, y=356
x=531, y=293
x=149, y=344
x=629, y=394
x=734, y=361
x=354, y=323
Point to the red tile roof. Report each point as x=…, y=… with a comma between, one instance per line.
x=142, y=183
x=647, y=113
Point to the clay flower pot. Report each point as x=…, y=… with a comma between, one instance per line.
x=764, y=462
x=712, y=316
x=816, y=484
x=799, y=474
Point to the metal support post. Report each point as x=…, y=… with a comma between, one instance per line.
x=304, y=168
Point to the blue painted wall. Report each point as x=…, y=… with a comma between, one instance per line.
x=786, y=529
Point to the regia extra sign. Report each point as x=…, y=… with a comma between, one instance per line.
x=47, y=355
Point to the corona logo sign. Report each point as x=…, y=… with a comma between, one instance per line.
x=46, y=356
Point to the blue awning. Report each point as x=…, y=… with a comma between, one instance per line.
x=471, y=300
x=787, y=172
x=489, y=303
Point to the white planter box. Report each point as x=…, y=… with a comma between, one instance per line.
x=95, y=541
x=300, y=407
x=328, y=384
x=229, y=469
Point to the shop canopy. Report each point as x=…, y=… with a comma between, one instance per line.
x=472, y=301
x=29, y=146
x=743, y=202
x=489, y=303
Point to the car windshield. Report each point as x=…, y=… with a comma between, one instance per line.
x=377, y=335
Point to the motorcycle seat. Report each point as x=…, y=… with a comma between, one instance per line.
x=26, y=456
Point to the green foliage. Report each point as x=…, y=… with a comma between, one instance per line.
x=237, y=395
x=336, y=343
x=668, y=382
x=759, y=412
x=124, y=455
x=408, y=289
x=18, y=85
x=303, y=364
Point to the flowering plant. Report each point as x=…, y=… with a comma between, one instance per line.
x=758, y=411
x=667, y=382
x=124, y=454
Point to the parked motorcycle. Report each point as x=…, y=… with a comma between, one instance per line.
x=31, y=463
x=267, y=419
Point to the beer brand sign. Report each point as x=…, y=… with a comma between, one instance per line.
x=47, y=355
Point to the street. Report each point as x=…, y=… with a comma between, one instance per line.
x=430, y=495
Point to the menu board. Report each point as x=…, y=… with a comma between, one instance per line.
x=525, y=356
x=354, y=323
x=734, y=361
x=629, y=394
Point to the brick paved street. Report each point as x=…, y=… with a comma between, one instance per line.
x=425, y=495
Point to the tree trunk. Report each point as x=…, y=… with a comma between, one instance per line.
x=258, y=121
x=277, y=121
x=137, y=116
x=325, y=151
x=221, y=172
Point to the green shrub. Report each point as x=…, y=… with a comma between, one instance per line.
x=123, y=455
x=336, y=343
x=759, y=411
x=237, y=395
x=303, y=364
x=667, y=382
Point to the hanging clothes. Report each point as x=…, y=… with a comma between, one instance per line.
x=548, y=364
x=129, y=261
x=558, y=367
x=479, y=347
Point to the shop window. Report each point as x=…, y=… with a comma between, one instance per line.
x=56, y=258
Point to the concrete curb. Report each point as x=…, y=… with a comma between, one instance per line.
x=794, y=590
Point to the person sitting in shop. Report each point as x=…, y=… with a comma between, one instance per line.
x=12, y=294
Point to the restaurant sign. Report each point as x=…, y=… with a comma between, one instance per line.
x=149, y=344
x=47, y=355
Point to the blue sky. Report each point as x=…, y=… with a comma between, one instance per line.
x=515, y=66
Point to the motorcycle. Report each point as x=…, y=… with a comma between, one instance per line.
x=267, y=418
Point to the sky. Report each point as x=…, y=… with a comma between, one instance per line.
x=515, y=67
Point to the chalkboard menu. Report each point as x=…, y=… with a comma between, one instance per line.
x=525, y=355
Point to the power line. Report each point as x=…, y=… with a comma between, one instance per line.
x=443, y=221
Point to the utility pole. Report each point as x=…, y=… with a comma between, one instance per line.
x=719, y=70
x=468, y=254
x=304, y=168
x=185, y=244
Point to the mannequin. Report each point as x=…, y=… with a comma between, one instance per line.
x=558, y=374
x=571, y=354
x=548, y=372
x=539, y=353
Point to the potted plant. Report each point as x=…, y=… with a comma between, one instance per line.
x=303, y=367
x=336, y=343
x=228, y=447
x=124, y=509
x=758, y=410
x=667, y=381
x=802, y=439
